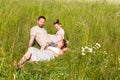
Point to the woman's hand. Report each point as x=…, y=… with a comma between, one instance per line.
x=61, y=52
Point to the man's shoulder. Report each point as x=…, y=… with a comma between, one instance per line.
x=34, y=27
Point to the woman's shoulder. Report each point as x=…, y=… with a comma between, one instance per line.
x=61, y=31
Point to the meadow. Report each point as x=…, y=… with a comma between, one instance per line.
x=94, y=27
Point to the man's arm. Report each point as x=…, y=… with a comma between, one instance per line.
x=31, y=41
x=44, y=46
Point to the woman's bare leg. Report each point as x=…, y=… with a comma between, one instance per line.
x=26, y=56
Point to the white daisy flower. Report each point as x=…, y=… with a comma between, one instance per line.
x=83, y=49
x=97, y=45
x=86, y=47
x=83, y=54
x=90, y=50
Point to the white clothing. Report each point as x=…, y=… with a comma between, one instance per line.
x=59, y=33
x=41, y=35
x=39, y=55
x=58, y=36
x=54, y=49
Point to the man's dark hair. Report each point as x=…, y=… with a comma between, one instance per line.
x=41, y=17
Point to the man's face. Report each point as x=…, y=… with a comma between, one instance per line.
x=41, y=22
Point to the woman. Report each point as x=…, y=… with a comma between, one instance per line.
x=59, y=34
x=47, y=53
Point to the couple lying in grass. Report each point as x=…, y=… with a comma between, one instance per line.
x=51, y=45
x=45, y=54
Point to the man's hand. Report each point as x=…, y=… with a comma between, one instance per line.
x=44, y=46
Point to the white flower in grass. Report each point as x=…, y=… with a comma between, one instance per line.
x=94, y=47
x=83, y=54
x=86, y=49
x=97, y=45
x=83, y=49
x=90, y=50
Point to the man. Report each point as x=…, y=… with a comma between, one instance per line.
x=39, y=33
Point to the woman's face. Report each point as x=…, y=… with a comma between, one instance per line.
x=57, y=26
x=60, y=43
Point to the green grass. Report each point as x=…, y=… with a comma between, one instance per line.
x=84, y=24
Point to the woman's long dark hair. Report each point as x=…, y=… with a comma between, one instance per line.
x=57, y=22
x=64, y=44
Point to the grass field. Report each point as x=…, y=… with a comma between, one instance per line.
x=93, y=31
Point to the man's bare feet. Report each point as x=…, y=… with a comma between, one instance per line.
x=20, y=66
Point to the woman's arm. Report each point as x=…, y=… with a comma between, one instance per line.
x=62, y=36
x=65, y=49
x=62, y=51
